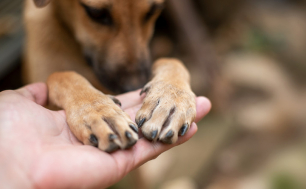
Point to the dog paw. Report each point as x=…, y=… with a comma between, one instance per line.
x=100, y=122
x=167, y=112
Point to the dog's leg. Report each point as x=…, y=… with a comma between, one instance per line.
x=169, y=107
x=93, y=117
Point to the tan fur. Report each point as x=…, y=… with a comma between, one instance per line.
x=59, y=34
x=169, y=87
x=89, y=111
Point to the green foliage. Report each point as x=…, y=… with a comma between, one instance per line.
x=285, y=181
x=262, y=41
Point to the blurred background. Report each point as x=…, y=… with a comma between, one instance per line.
x=249, y=58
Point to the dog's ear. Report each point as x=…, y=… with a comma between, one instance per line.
x=41, y=3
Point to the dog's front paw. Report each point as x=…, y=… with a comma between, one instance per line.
x=167, y=112
x=98, y=121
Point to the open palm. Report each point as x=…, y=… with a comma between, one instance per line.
x=37, y=149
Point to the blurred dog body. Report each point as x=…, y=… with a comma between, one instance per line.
x=105, y=41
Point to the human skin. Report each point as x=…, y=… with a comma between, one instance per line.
x=38, y=150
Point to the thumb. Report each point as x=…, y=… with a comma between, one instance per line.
x=37, y=92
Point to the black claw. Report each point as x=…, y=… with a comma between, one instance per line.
x=116, y=101
x=141, y=92
x=153, y=134
x=141, y=122
x=169, y=134
x=168, y=137
x=128, y=135
x=130, y=144
x=183, y=130
x=93, y=139
x=134, y=128
x=112, y=147
x=144, y=90
x=112, y=137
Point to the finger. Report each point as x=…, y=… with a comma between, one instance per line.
x=144, y=151
x=203, y=107
x=132, y=111
x=37, y=92
x=130, y=99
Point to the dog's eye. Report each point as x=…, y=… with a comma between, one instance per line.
x=101, y=16
x=154, y=9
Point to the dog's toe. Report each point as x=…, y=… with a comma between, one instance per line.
x=112, y=147
x=103, y=125
x=126, y=131
x=131, y=140
x=168, y=137
x=150, y=135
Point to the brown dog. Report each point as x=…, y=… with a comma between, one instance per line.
x=106, y=41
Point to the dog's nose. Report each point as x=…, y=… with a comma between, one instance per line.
x=124, y=79
x=123, y=82
x=127, y=88
x=131, y=80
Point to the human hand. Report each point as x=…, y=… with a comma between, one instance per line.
x=38, y=149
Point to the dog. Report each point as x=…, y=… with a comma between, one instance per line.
x=85, y=49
